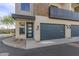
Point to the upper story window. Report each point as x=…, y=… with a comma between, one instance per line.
x=25, y=6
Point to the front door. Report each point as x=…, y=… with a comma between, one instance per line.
x=29, y=29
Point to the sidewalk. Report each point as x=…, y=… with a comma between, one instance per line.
x=2, y=36
x=14, y=43
x=29, y=44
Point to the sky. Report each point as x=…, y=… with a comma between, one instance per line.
x=6, y=9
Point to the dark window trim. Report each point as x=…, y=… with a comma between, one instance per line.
x=32, y=29
x=24, y=7
x=26, y=17
x=20, y=30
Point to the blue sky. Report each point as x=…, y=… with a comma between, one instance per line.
x=6, y=8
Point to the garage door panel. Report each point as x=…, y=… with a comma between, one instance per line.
x=74, y=30
x=51, y=31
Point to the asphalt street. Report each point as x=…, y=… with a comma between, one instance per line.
x=56, y=50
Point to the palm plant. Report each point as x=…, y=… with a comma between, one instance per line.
x=8, y=21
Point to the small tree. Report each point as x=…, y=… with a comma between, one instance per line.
x=8, y=21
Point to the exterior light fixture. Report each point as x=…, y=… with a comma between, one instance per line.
x=37, y=27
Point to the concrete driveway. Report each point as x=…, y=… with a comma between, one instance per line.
x=69, y=49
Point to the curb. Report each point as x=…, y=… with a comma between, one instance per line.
x=6, y=37
x=14, y=45
x=10, y=45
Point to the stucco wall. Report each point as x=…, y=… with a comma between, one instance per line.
x=22, y=36
x=42, y=19
x=18, y=36
x=19, y=11
x=40, y=9
x=59, y=5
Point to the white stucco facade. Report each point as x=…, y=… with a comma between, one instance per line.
x=21, y=12
x=42, y=19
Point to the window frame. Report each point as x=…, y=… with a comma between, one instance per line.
x=21, y=32
x=25, y=8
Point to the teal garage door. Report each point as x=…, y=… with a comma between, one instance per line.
x=51, y=31
x=74, y=30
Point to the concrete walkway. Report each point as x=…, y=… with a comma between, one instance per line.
x=29, y=44
x=3, y=36
x=15, y=43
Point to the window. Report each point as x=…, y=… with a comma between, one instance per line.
x=22, y=30
x=25, y=6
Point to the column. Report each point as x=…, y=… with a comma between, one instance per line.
x=67, y=31
x=67, y=6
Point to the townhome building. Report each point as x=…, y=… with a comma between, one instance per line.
x=46, y=21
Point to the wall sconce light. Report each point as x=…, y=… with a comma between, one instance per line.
x=37, y=27
x=68, y=26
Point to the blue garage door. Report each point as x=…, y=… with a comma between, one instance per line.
x=51, y=31
x=74, y=30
